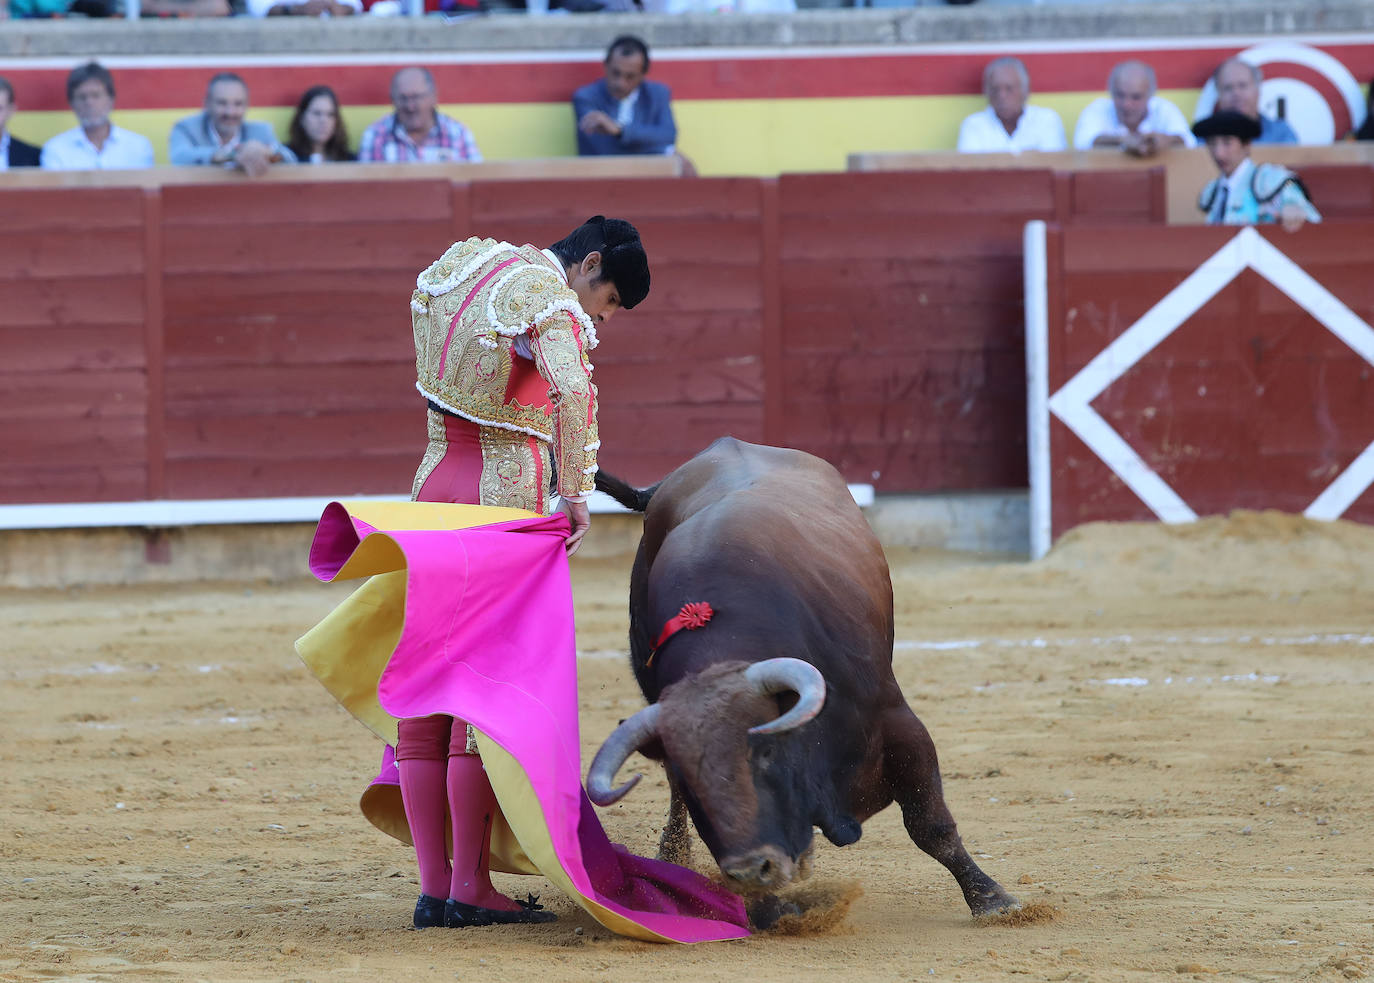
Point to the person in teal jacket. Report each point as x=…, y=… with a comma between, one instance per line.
x=1246, y=193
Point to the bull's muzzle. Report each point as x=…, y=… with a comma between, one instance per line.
x=764, y=869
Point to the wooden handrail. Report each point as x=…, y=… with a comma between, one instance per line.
x=1185, y=171
x=529, y=169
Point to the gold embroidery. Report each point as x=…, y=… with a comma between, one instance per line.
x=571, y=389
x=564, y=364
x=434, y=452
x=438, y=277
x=476, y=381
x=521, y=294
x=510, y=473
x=475, y=373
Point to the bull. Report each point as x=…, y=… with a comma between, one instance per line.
x=761, y=636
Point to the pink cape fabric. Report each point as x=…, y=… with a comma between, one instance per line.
x=489, y=638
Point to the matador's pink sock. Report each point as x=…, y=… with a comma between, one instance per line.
x=472, y=806
x=422, y=794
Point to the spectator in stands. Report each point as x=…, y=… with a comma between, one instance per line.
x=317, y=133
x=33, y=9
x=1008, y=125
x=1245, y=192
x=97, y=144
x=13, y=152
x=1133, y=119
x=623, y=112
x=303, y=8
x=1238, y=90
x=189, y=8
x=1366, y=130
x=220, y=135
x=416, y=131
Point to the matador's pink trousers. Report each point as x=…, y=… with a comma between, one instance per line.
x=440, y=774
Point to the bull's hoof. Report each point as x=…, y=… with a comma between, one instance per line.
x=987, y=903
x=765, y=911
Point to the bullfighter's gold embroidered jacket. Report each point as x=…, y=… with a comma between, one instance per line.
x=474, y=311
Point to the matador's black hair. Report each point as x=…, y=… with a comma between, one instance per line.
x=623, y=261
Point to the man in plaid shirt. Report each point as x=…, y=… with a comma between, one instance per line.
x=416, y=131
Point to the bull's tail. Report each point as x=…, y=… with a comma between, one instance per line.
x=634, y=499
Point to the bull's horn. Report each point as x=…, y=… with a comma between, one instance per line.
x=783, y=676
x=624, y=741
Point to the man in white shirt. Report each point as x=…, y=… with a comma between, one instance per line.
x=1008, y=125
x=1134, y=119
x=97, y=144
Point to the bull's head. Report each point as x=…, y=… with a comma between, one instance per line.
x=740, y=763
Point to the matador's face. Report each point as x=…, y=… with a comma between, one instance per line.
x=599, y=298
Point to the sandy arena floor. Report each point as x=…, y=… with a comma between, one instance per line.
x=1160, y=735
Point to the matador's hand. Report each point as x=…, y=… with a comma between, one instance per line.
x=581, y=518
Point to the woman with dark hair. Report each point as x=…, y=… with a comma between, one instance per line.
x=317, y=133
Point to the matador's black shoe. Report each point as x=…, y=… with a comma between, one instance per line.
x=460, y=915
x=429, y=912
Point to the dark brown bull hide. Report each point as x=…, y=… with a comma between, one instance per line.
x=781, y=714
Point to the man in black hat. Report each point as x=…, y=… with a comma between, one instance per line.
x=1246, y=193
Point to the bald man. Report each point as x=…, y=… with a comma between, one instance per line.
x=1132, y=118
x=1009, y=124
x=1238, y=90
x=416, y=131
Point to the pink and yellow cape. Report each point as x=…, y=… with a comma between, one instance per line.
x=467, y=611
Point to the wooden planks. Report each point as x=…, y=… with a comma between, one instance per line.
x=902, y=324
x=1340, y=191
x=227, y=338
x=685, y=366
x=1248, y=403
x=72, y=309
x=290, y=362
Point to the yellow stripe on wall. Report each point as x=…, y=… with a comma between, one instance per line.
x=753, y=137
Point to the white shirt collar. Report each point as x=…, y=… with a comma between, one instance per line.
x=558, y=263
x=997, y=120
x=110, y=138
x=625, y=109
x=1240, y=177
x=213, y=134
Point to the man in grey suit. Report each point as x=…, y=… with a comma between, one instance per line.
x=625, y=113
x=220, y=135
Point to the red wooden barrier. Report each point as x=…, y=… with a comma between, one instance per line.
x=253, y=340
x=1341, y=192
x=73, y=396
x=1191, y=371
x=686, y=366
x=901, y=307
x=289, y=363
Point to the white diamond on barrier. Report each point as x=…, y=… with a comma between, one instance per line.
x=1248, y=250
